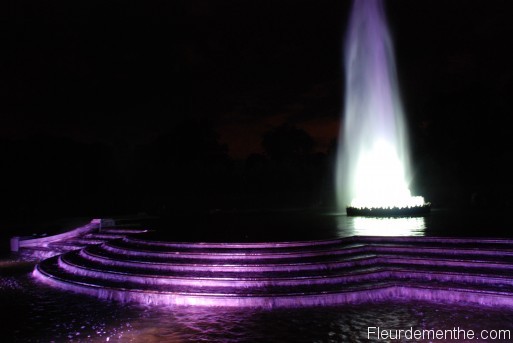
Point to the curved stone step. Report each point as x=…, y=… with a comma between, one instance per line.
x=121, y=246
x=250, y=282
x=203, y=286
x=363, y=292
x=288, y=274
x=231, y=248
x=311, y=268
x=39, y=247
x=124, y=247
x=374, y=268
x=234, y=271
x=105, y=257
x=394, y=243
x=305, y=263
x=123, y=230
x=103, y=236
x=258, y=245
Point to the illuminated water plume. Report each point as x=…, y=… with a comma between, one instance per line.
x=372, y=165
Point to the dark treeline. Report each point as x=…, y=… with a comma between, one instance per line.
x=43, y=176
x=189, y=170
x=184, y=170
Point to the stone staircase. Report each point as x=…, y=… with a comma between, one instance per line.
x=96, y=232
x=288, y=274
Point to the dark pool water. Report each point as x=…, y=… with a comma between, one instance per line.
x=306, y=225
x=31, y=312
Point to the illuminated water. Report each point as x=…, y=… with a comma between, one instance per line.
x=311, y=225
x=372, y=163
x=32, y=312
x=35, y=313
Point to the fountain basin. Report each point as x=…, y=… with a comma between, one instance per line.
x=288, y=274
x=389, y=211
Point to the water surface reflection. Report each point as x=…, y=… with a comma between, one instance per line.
x=374, y=226
x=414, y=226
x=56, y=316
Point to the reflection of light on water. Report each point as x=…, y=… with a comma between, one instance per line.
x=64, y=317
x=413, y=226
x=368, y=226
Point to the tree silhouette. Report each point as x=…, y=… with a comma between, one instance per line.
x=287, y=142
x=184, y=168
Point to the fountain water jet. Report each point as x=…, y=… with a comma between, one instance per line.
x=372, y=163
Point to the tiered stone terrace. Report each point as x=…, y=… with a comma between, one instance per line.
x=289, y=274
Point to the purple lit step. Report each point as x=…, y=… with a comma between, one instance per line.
x=172, y=299
x=103, y=236
x=475, y=264
x=114, y=252
x=249, y=284
x=122, y=231
x=367, y=293
x=443, y=251
x=435, y=240
x=119, y=247
x=64, y=246
x=38, y=248
x=262, y=245
x=52, y=267
x=79, y=242
x=346, y=240
x=325, y=266
x=242, y=272
x=225, y=256
x=233, y=267
x=380, y=269
x=303, y=268
x=173, y=259
x=426, y=242
x=346, y=270
x=208, y=289
x=258, y=248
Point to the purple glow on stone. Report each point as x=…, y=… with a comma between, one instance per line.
x=247, y=255
x=359, y=269
x=205, y=245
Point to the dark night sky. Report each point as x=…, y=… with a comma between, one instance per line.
x=93, y=95
x=122, y=72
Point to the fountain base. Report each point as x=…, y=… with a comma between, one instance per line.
x=289, y=274
x=389, y=211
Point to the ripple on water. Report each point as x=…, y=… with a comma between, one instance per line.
x=31, y=312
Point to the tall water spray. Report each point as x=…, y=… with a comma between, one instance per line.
x=372, y=164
